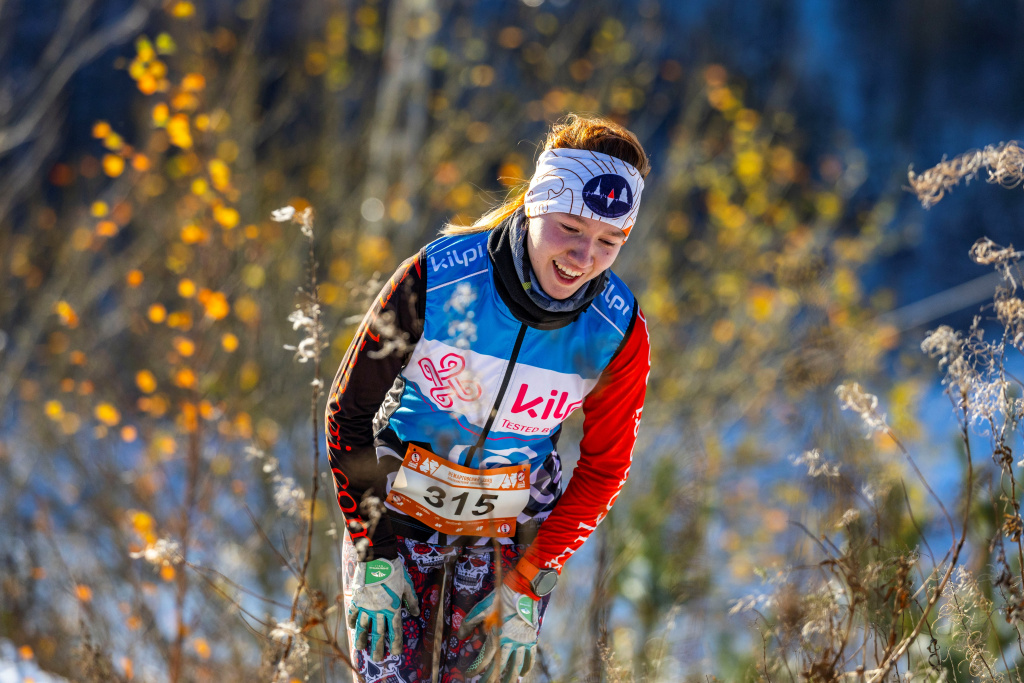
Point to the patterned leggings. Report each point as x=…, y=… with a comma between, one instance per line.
x=449, y=581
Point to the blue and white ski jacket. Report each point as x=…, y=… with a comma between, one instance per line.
x=485, y=390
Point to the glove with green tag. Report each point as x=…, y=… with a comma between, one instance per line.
x=377, y=591
x=509, y=643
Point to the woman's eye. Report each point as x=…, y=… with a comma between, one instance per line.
x=568, y=228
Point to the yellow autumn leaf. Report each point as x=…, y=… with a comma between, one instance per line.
x=206, y=410
x=185, y=378
x=227, y=216
x=229, y=342
x=157, y=69
x=180, y=320
x=202, y=648
x=157, y=313
x=166, y=444
x=106, y=228
x=144, y=49
x=54, y=410
x=220, y=174
x=165, y=44
x=107, y=414
x=113, y=165
x=136, y=69
x=217, y=306
x=142, y=522
x=749, y=165
x=193, y=82
x=183, y=9
x=178, y=130
x=161, y=114
x=761, y=303
x=192, y=234
x=184, y=346
x=146, y=381
x=113, y=142
x=67, y=314
x=243, y=425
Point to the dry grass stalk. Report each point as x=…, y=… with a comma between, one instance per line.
x=1004, y=163
x=874, y=611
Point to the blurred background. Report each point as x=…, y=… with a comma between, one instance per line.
x=146, y=293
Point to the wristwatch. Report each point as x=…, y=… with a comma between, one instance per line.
x=542, y=581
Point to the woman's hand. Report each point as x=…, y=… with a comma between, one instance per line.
x=510, y=632
x=376, y=607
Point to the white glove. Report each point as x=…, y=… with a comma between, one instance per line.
x=514, y=636
x=378, y=588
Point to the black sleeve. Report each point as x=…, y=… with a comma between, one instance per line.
x=381, y=348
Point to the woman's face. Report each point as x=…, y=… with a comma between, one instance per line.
x=568, y=251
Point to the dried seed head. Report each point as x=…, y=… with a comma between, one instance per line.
x=986, y=252
x=853, y=397
x=816, y=467
x=1004, y=163
x=163, y=553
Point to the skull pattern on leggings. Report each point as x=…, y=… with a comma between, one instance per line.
x=426, y=556
x=470, y=572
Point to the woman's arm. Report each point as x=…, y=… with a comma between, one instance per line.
x=380, y=349
x=611, y=420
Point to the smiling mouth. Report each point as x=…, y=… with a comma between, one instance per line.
x=567, y=275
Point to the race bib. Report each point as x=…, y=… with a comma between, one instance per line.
x=459, y=500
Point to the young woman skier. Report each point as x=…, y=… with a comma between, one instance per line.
x=443, y=419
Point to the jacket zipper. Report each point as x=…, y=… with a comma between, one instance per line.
x=501, y=394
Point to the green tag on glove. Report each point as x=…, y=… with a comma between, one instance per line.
x=525, y=608
x=377, y=571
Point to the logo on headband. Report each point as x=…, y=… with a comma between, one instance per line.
x=608, y=195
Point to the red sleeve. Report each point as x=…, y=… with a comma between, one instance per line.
x=380, y=349
x=611, y=419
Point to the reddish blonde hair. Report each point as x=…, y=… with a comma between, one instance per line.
x=591, y=133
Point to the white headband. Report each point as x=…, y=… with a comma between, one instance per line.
x=586, y=184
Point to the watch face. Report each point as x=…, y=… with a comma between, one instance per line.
x=545, y=581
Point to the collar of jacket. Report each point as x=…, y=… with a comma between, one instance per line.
x=510, y=288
